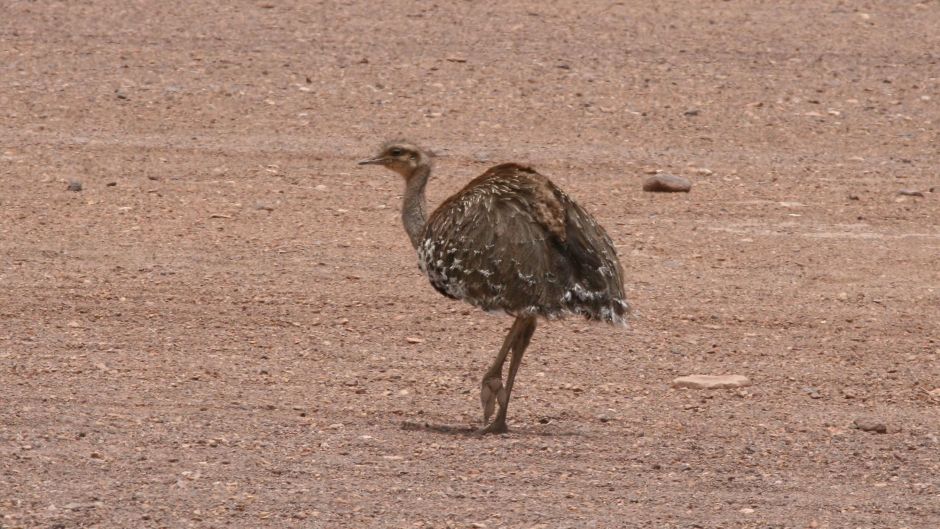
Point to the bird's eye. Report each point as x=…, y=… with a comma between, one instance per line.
x=395, y=152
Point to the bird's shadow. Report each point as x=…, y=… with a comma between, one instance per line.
x=470, y=431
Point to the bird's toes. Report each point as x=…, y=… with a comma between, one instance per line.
x=495, y=427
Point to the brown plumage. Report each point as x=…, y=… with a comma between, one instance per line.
x=509, y=241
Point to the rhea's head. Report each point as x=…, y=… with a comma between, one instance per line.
x=401, y=156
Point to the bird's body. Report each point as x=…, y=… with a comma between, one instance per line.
x=512, y=241
x=509, y=241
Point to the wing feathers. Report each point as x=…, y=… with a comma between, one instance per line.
x=512, y=241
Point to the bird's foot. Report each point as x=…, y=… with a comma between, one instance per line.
x=496, y=427
x=491, y=392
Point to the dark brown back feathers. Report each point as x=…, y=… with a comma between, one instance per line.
x=513, y=241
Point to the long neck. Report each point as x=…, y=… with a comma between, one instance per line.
x=413, y=211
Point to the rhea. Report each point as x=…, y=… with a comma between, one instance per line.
x=510, y=241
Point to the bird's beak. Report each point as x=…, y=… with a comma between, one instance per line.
x=379, y=160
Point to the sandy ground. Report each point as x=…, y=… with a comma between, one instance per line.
x=214, y=331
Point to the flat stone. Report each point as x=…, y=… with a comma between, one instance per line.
x=667, y=183
x=871, y=424
x=711, y=381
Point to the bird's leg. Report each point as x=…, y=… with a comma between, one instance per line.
x=491, y=389
x=519, y=337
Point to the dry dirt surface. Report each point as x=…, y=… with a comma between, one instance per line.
x=226, y=326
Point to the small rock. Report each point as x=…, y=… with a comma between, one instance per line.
x=482, y=156
x=111, y=184
x=711, y=381
x=76, y=506
x=667, y=183
x=911, y=193
x=692, y=112
x=263, y=206
x=320, y=187
x=412, y=339
x=869, y=424
x=74, y=185
x=747, y=510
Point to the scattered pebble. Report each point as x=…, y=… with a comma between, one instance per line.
x=812, y=392
x=911, y=193
x=76, y=506
x=711, y=381
x=412, y=339
x=75, y=185
x=667, y=183
x=869, y=424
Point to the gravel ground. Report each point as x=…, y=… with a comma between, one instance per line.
x=206, y=306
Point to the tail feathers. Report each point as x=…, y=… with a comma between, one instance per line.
x=596, y=305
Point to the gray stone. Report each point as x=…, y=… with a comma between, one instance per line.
x=667, y=183
x=711, y=381
x=871, y=424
